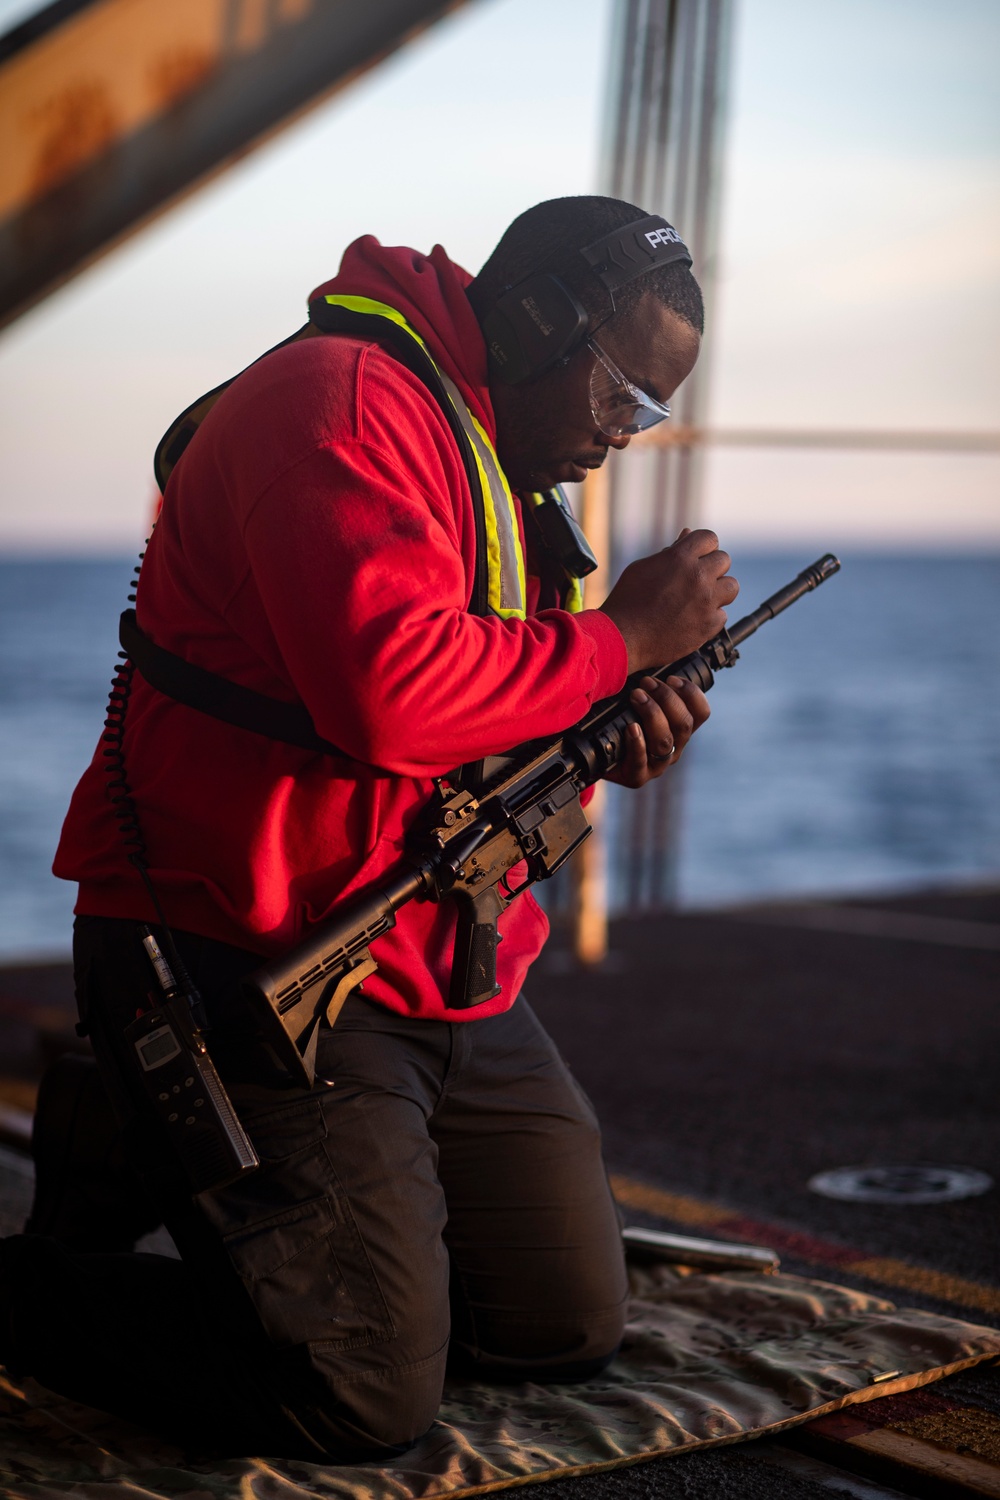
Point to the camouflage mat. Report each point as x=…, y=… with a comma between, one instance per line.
x=708, y=1359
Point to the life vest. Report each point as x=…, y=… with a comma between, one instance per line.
x=499, y=585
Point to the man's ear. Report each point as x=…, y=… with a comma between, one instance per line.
x=532, y=326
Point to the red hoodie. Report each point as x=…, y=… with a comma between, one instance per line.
x=317, y=543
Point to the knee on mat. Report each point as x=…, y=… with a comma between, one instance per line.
x=391, y=1419
x=372, y=1414
x=547, y=1353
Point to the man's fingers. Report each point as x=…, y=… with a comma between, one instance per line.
x=633, y=769
x=672, y=602
x=700, y=542
x=679, y=710
x=636, y=767
x=667, y=714
x=650, y=703
x=695, y=700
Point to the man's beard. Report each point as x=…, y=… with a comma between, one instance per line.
x=540, y=476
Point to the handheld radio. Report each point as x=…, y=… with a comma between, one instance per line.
x=186, y=1092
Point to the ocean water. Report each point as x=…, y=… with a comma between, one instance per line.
x=855, y=746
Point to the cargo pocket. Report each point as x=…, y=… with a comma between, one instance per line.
x=293, y=1241
x=290, y=1267
x=282, y=1132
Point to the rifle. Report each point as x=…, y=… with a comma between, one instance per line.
x=465, y=844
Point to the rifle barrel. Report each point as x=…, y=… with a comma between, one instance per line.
x=809, y=578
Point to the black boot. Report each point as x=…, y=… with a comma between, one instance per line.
x=86, y=1195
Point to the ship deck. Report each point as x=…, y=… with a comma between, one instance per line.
x=731, y=1055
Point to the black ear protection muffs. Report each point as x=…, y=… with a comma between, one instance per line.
x=538, y=322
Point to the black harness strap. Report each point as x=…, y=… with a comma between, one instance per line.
x=216, y=696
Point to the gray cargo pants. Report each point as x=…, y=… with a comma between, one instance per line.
x=441, y=1198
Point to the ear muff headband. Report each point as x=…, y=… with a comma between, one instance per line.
x=538, y=322
x=633, y=249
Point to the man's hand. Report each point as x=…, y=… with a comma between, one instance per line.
x=671, y=603
x=668, y=715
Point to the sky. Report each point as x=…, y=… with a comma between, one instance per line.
x=859, y=263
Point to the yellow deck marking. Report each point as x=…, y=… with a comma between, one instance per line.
x=697, y=1213
x=932, y=1283
x=652, y=1200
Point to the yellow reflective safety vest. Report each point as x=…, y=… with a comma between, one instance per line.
x=499, y=587
x=499, y=583
x=498, y=540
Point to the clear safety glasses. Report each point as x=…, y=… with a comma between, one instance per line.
x=617, y=406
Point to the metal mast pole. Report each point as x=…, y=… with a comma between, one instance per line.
x=662, y=151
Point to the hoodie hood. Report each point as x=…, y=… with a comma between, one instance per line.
x=429, y=291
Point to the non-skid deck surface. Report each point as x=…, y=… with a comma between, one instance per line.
x=708, y=1359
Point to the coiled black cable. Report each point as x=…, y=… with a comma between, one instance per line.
x=123, y=802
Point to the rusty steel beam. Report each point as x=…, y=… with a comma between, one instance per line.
x=112, y=110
